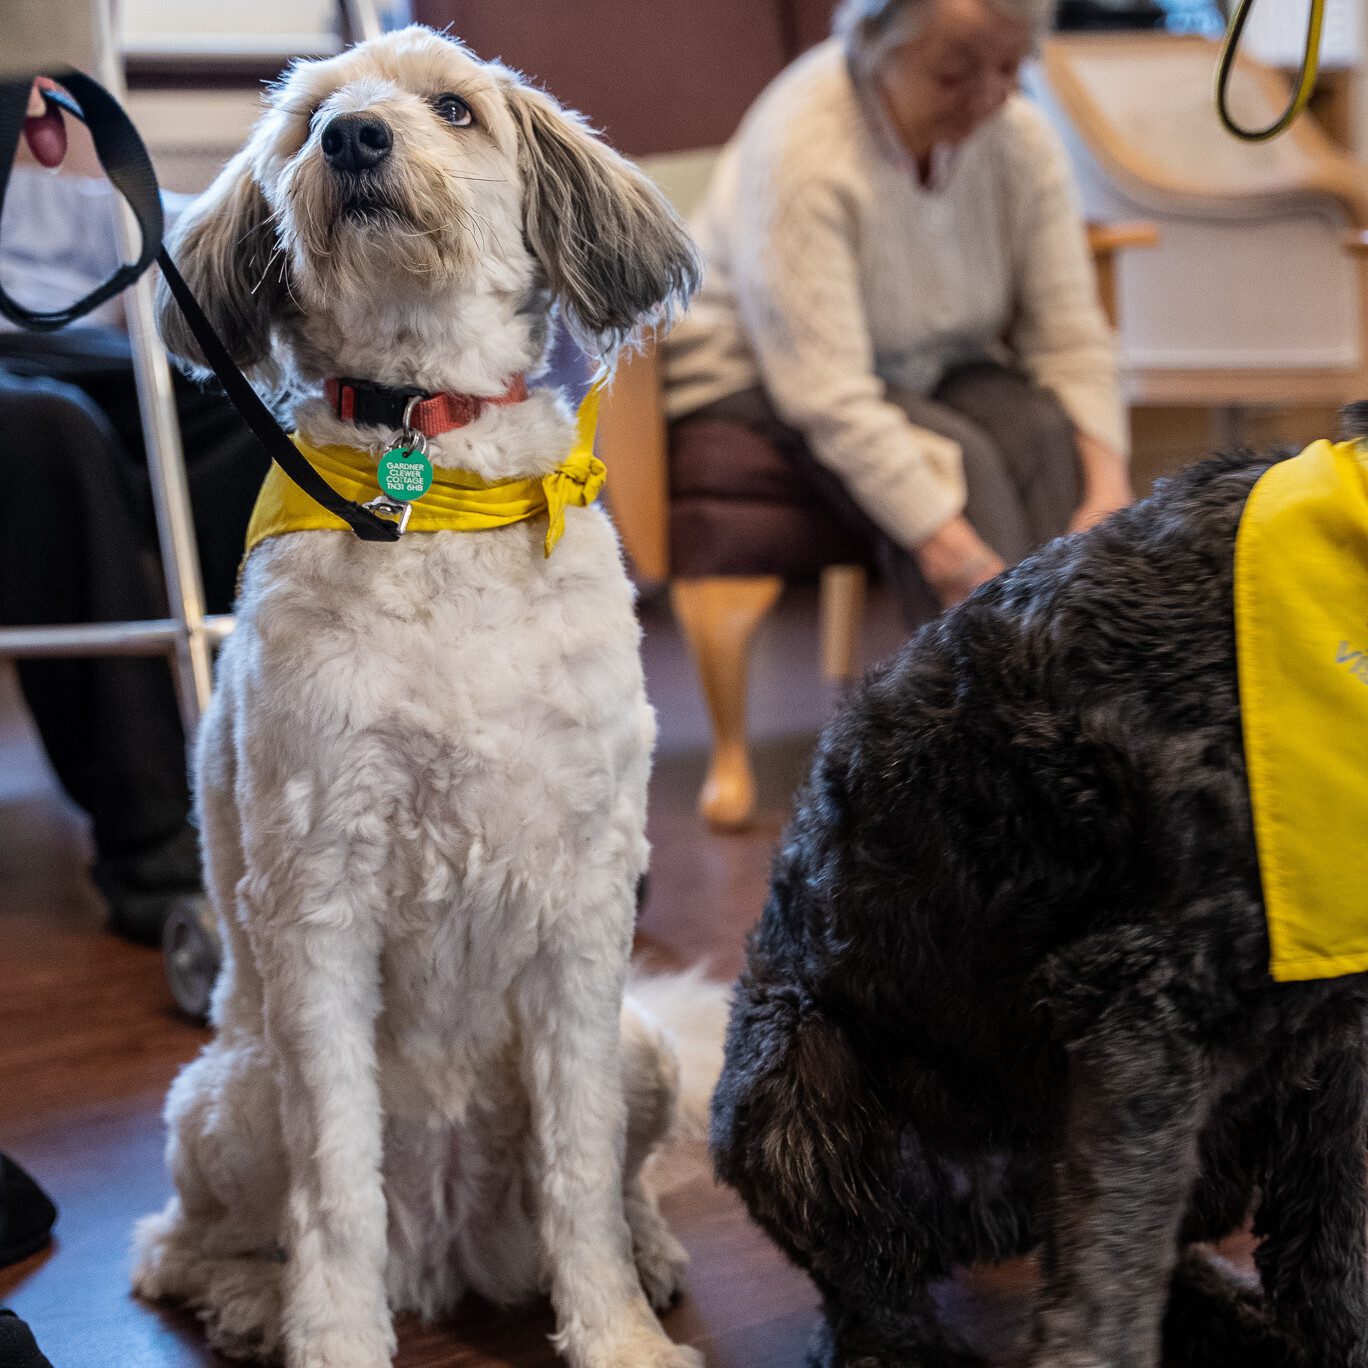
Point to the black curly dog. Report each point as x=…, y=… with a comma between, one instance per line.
x=1011, y=985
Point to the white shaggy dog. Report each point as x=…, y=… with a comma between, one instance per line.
x=422, y=780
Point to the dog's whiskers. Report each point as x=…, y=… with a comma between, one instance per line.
x=478, y=224
x=285, y=278
x=266, y=270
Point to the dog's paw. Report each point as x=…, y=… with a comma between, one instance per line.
x=242, y=1309
x=660, y=1262
x=166, y=1263
x=343, y=1347
x=338, y=1353
x=247, y=1348
x=661, y=1352
x=642, y=1344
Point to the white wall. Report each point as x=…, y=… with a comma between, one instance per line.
x=1360, y=140
x=298, y=27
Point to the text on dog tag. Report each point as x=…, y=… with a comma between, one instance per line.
x=404, y=473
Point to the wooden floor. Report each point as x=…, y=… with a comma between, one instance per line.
x=89, y=1042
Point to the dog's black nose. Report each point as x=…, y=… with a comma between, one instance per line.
x=356, y=142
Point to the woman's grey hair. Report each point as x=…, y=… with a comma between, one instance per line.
x=872, y=27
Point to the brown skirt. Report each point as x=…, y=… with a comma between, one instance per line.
x=747, y=497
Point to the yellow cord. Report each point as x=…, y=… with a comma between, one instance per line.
x=1306, y=82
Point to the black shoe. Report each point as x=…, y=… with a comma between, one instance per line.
x=26, y=1216
x=142, y=887
x=18, y=1348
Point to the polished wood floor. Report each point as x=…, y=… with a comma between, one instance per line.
x=89, y=1042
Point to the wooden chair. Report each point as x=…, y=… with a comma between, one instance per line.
x=719, y=615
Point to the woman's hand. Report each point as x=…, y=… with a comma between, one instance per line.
x=1106, y=483
x=955, y=560
x=44, y=129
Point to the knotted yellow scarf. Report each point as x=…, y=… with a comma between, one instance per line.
x=458, y=501
x=1301, y=620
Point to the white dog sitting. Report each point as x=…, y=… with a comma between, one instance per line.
x=422, y=780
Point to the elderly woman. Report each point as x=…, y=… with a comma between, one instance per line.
x=899, y=298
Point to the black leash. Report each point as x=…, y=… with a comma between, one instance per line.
x=129, y=168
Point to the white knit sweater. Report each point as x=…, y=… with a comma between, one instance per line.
x=831, y=273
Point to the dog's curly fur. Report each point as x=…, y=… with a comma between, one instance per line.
x=422, y=778
x=1011, y=984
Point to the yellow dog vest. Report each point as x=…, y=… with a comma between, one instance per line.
x=458, y=501
x=1301, y=621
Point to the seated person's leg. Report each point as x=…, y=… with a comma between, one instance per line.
x=225, y=464
x=1033, y=434
x=766, y=506
x=993, y=501
x=73, y=553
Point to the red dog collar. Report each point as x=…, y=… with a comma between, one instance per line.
x=370, y=405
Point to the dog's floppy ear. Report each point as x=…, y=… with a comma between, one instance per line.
x=614, y=251
x=225, y=247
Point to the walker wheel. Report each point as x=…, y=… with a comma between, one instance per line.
x=190, y=943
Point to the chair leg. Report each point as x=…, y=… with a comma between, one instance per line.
x=840, y=611
x=719, y=617
x=1228, y=427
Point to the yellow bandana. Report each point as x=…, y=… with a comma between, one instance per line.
x=1301, y=621
x=458, y=501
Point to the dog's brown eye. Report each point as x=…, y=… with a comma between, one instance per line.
x=454, y=110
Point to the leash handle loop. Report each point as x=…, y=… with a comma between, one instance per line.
x=125, y=160
x=1306, y=79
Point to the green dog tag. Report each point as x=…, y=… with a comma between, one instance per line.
x=404, y=473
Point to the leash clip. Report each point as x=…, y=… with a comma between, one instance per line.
x=391, y=508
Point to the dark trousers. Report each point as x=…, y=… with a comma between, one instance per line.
x=1021, y=466
x=78, y=544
